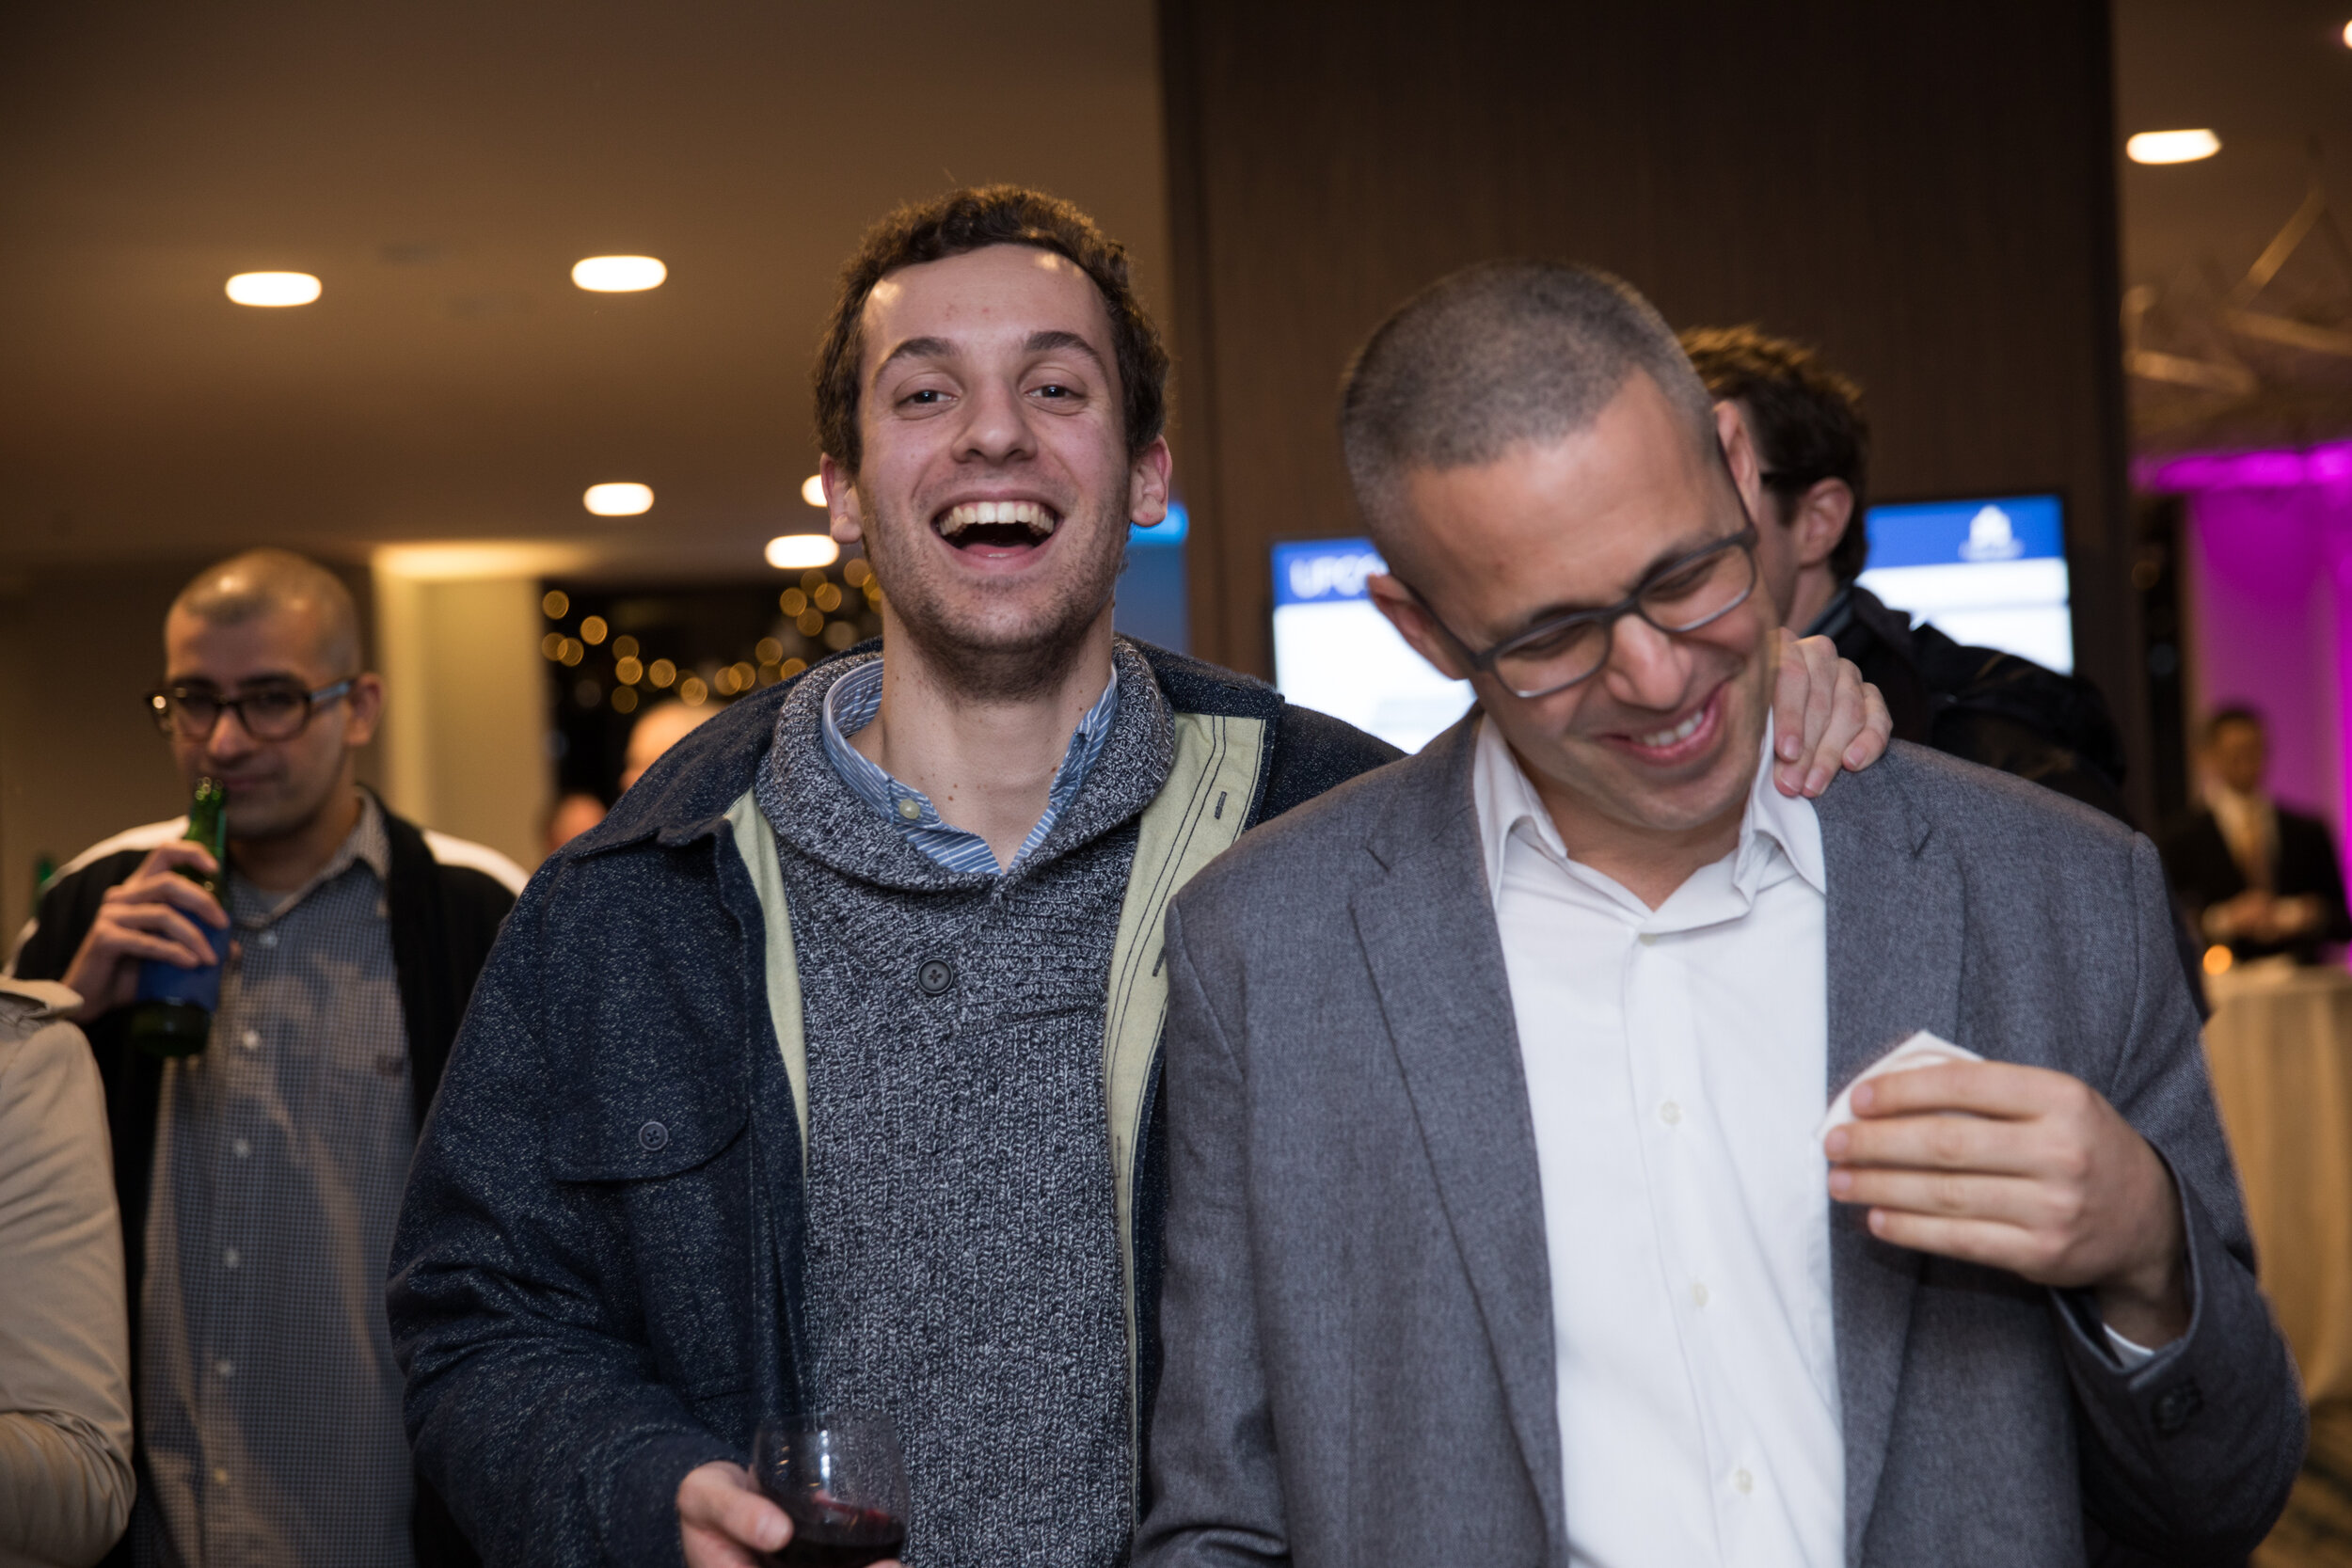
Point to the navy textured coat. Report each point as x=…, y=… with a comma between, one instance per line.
x=600, y=1246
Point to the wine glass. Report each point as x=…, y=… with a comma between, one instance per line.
x=838, y=1475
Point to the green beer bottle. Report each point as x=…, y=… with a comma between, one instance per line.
x=173, y=1013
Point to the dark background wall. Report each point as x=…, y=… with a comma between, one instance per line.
x=1927, y=192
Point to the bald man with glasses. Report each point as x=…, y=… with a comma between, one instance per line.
x=259, y=1179
x=1558, y=1170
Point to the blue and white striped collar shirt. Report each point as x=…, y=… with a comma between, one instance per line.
x=850, y=706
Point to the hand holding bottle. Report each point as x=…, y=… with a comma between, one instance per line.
x=147, y=948
x=159, y=914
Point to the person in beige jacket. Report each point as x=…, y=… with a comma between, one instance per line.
x=65, y=1352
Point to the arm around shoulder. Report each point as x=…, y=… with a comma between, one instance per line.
x=65, y=1402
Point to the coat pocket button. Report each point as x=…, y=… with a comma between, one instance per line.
x=653, y=1137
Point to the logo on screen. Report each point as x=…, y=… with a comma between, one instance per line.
x=1991, y=537
x=1333, y=575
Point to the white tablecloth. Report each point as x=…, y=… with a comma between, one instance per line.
x=2279, y=1047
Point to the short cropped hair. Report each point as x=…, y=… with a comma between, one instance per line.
x=1494, y=355
x=1807, y=420
x=955, y=225
x=2236, y=713
x=259, y=582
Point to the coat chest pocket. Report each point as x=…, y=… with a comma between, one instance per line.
x=641, y=1132
x=664, y=1158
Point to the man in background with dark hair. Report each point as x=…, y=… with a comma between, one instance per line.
x=259, y=1179
x=824, y=1073
x=2256, y=877
x=1992, y=708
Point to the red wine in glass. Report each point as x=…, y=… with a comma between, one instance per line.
x=829, y=1534
x=839, y=1478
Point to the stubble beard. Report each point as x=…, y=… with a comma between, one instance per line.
x=995, y=664
x=1615, y=789
x=282, y=818
x=1747, y=707
x=289, y=806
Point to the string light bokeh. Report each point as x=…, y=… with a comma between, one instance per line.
x=614, y=650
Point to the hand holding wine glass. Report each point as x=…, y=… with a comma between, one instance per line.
x=825, y=1492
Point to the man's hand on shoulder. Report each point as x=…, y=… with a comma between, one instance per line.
x=155, y=914
x=725, y=1522
x=2024, y=1169
x=1825, y=716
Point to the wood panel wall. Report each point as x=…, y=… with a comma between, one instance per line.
x=1925, y=191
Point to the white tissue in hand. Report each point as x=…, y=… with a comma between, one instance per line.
x=1920, y=1050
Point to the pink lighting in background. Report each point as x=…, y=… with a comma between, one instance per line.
x=2246, y=470
x=2270, y=581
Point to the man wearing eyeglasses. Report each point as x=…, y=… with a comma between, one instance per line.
x=1511, y=1219
x=824, y=1073
x=260, y=1179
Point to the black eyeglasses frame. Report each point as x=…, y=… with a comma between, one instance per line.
x=163, y=699
x=1608, y=616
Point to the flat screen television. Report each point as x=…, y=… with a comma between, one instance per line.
x=1334, y=651
x=1988, y=572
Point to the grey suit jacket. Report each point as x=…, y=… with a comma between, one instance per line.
x=1358, y=1314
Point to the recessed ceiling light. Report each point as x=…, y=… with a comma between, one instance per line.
x=2347, y=34
x=792, y=552
x=813, y=489
x=618, y=274
x=273, y=287
x=618, y=501
x=2172, y=147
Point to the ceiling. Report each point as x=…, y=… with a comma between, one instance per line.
x=2274, y=79
x=441, y=165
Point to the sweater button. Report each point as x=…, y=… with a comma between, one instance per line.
x=2176, y=1406
x=653, y=1137
x=935, y=976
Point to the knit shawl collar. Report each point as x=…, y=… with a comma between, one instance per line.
x=816, y=813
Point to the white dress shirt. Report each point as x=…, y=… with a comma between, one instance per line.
x=1675, y=1064
x=2250, y=827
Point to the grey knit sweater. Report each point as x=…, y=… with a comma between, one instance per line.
x=962, y=1271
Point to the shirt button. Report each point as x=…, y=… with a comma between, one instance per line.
x=935, y=976
x=269, y=939
x=221, y=1477
x=1670, y=1113
x=228, y=1258
x=1698, y=1298
x=250, y=1039
x=1744, y=1480
x=225, y=1368
x=241, y=1149
x=911, y=809
x=1648, y=939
